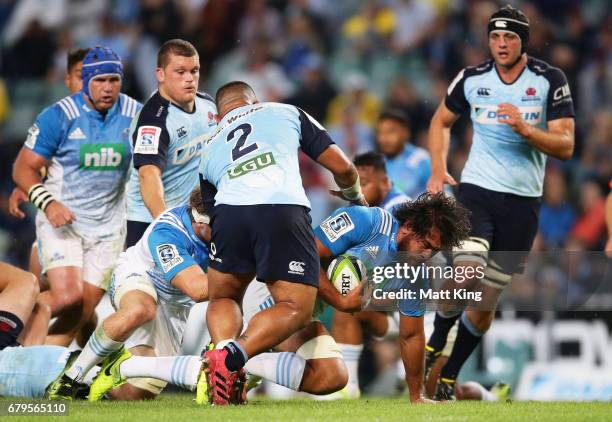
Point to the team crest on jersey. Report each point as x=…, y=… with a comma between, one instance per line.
x=33, y=132
x=168, y=256
x=334, y=227
x=147, y=140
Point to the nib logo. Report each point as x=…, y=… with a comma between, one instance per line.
x=102, y=156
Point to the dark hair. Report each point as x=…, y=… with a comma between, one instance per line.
x=371, y=159
x=238, y=85
x=75, y=56
x=176, y=47
x=395, y=114
x=195, y=200
x=439, y=211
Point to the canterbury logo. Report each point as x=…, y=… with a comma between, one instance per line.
x=296, y=267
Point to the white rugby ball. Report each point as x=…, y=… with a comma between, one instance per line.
x=346, y=272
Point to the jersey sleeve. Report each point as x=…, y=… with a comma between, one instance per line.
x=44, y=136
x=345, y=228
x=170, y=251
x=559, y=103
x=150, y=137
x=455, y=99
x=314, y=138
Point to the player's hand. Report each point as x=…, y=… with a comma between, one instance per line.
x=352, y=301
x=17, y=198
x=437, y=181
x=59, y=215
x=511, y=115
x=608, y=247
x=359, y=201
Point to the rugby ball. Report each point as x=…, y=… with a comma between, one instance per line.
x=346, y=272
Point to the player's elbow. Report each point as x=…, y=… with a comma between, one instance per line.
x=198, y=295
x=567, y=152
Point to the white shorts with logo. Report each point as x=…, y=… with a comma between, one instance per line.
x=63, y=247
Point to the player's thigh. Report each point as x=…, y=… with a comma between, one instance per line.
x=18, y=291
x=99, y=260
x=60, y=251
x=300, y=296
x=227, y=285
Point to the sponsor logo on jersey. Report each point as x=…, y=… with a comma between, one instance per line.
x=77, y=134
x=168, y=256
x=181, y=132
x=256, y=163
x=487, y=114
x=33, y=132
x=296, y=267
x=483, y=92
x=530, y=95
x=101, y=156
x=188, y=151
x=213, y=252
x=147, y=140
x=561, y=95
x=334, y=227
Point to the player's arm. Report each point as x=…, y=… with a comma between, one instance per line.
x=558, y=138
x=152, y=189
x=169, y=250
x=39, y=148
x=609, y=222
x=318, y=145
x=438, y=140
x=151, y=140
x=349, y=303
x=412, y=348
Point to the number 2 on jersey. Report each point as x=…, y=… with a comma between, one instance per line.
x=238, y=151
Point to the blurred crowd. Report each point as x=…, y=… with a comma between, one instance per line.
x=343, y=62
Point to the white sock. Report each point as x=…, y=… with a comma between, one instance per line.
x=286, y=368
x=351, y=354
x=97, y=348
x=90, y=375
x=181, y=371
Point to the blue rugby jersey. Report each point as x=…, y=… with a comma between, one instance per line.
x=500, y=159
x=170, y=138
x=253, y=156
x=89, y=156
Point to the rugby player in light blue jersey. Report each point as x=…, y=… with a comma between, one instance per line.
x=83, y=141
x=261, y=226
x=375, y=236
x=167, y=138
x=522, y=111
x=408, y=165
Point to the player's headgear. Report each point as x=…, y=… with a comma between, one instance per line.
x=511, y=20
x=100, y=61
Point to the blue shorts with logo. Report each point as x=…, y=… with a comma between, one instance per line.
x=276, y=242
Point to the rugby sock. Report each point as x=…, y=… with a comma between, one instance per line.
x=90, y=375
x=236, y=356
x=97, y=348
x=485, y=395
x=468, y=338
x=181, y=371
x=286, y=368
x=351, y=354
x=10, y=328
x=442, y=325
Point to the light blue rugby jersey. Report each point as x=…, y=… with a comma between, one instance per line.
x=28, y=371
x=168, y=246
x=89, y=158
x=410, y=170
x=500, y=159
x=370, y=234
x=394, y=198
x=170, y=138
x=253, y=156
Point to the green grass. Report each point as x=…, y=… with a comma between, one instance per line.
x=179, y=407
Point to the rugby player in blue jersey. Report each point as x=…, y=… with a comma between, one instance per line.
x=82, y=140
x=522, y=111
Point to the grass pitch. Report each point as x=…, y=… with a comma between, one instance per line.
x=179, y=407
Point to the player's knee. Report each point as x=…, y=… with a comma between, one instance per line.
x=140, y=313
x=480, y=321
x=67, y=299
x=29, y=285
x=325, y=376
